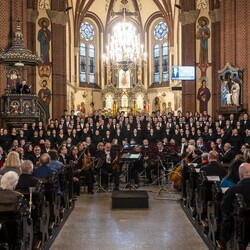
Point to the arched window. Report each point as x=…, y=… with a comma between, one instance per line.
x=87, y=54
x=160, y=53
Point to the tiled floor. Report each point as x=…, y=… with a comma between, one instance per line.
x=95, y=225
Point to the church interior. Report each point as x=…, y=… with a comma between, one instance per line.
x=142, y=97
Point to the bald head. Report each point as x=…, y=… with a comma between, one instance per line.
x=244, y=170
x=27, y=167
x=45, y=159
x=213, y=156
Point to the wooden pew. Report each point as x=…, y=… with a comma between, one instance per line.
x=191, y=186
x=202, y=196
x=213, y=212
x=16, y=226
x=241, y=214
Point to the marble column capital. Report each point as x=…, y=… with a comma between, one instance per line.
x=189, y=17
x=58, y=17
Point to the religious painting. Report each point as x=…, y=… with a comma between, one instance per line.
x=44, y=37
x=203, y=95
x=203, y=34
x=124, y=79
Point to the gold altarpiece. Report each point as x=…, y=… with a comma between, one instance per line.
x=124, y=90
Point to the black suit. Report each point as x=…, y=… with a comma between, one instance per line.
x=226, y=207
x=241, y=187
x=245, y=124
x=106, y=166
x=227, y=157
x=214, y=169
x=25, y=181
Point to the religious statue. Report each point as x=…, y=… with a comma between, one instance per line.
x=235, y=90
x=224, y=92
x=203, y=96
x=164, y=108
x=156, y=104
x=82, y=110
x=203, y=34
x=169, y=108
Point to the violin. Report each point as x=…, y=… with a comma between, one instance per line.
x=115, y=163
x=86, y=162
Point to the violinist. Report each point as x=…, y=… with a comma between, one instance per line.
x=84, y=165
x=108, y=159
x=148, y=160
x=73, y=161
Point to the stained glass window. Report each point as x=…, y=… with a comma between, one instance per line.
x=83, y=62
x=160, y=31
x=87, y=54
x=87, y=31
x=160, y=50
x=91, y=63
x=156, y=63
x=165, y=62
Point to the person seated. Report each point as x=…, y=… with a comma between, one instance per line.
x=26, y=180
x=226, y=206
x=228, y=156
x=44, y=171
x=232, y=176
x=8, y=195
x=108, y=158
x=12, y=163
x=54, y=163
x=9, y=181
x=213, y=168
x=137, y=165
x=204, y=160
x=2, y=157
x=23, y=88
x=196, y=156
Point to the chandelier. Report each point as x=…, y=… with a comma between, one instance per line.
x=124, y=50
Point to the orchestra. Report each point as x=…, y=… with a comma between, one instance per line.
x=93, y=147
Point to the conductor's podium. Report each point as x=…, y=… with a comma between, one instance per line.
x=129, y=199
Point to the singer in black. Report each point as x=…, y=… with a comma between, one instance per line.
x=23, y=88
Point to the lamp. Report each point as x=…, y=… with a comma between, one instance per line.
x=124, y=50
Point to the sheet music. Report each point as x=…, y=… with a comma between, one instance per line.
x=213, y=178
x=194, y=164
x=224, y=189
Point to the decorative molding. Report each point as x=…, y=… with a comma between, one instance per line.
x=214, y=15
x=32, y=15
x=201, y=4
x=58, y=17
x=189, y=17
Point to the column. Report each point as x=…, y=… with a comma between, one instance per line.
x=58, y=42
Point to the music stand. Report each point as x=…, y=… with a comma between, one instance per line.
x=164, y=177
x=129, y=159
x=100, y=187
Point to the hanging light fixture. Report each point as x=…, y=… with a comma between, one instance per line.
x=124, y=49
